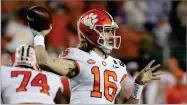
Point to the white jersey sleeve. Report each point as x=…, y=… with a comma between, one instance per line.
x=21, y=85
x=74, y=54
x=69, y=53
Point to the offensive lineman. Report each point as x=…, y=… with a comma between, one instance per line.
x=95, y=77
x=24, y=83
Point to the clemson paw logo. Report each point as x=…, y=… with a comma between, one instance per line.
x=90, y=20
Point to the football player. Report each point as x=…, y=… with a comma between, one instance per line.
x=95, y=77
x=24, y=83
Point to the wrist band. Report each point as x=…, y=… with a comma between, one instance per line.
x=39, y=40
x=137, y=91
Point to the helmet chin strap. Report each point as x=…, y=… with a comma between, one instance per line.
x=106, y=49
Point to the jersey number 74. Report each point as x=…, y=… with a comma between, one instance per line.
x=40, y=80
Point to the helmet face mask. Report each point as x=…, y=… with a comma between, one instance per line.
x=25, y=56
x=98, y=28
x=107, y=36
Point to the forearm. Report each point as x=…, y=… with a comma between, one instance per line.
x=41, y=55
x=144, y=77
x=43, y=58
x=56, y=65
x=40, y=52
x=135, y=95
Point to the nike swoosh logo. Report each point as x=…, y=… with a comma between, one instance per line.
x=30, y=19
x=115, y=66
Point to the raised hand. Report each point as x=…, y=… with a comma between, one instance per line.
x=147, y=74
x=43, y=32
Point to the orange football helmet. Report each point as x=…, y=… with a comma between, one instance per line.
x=93, y=25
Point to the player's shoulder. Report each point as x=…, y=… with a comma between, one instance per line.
x=118, y=61
x=71, y=51
x=67, y=53
x=120, y=68
x=113, y=58
x=118, y=65
x=74, y=54
x=6, y=68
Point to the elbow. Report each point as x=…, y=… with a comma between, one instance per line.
x=44, y=66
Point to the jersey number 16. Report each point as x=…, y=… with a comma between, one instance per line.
x=107, y=84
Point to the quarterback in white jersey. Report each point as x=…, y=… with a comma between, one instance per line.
x=97, y=80
x=24, y=83
x=95, y=77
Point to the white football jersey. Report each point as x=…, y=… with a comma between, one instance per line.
x=98, y=81
x=23, y=85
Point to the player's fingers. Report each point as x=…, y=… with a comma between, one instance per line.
x=158, y=73
x=149, y=64
x=146, y=69
x=155, y=78
x=155, y=67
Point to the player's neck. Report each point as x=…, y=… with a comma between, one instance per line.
x=100, y=53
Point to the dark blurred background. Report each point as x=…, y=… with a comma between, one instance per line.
x=150, y=29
